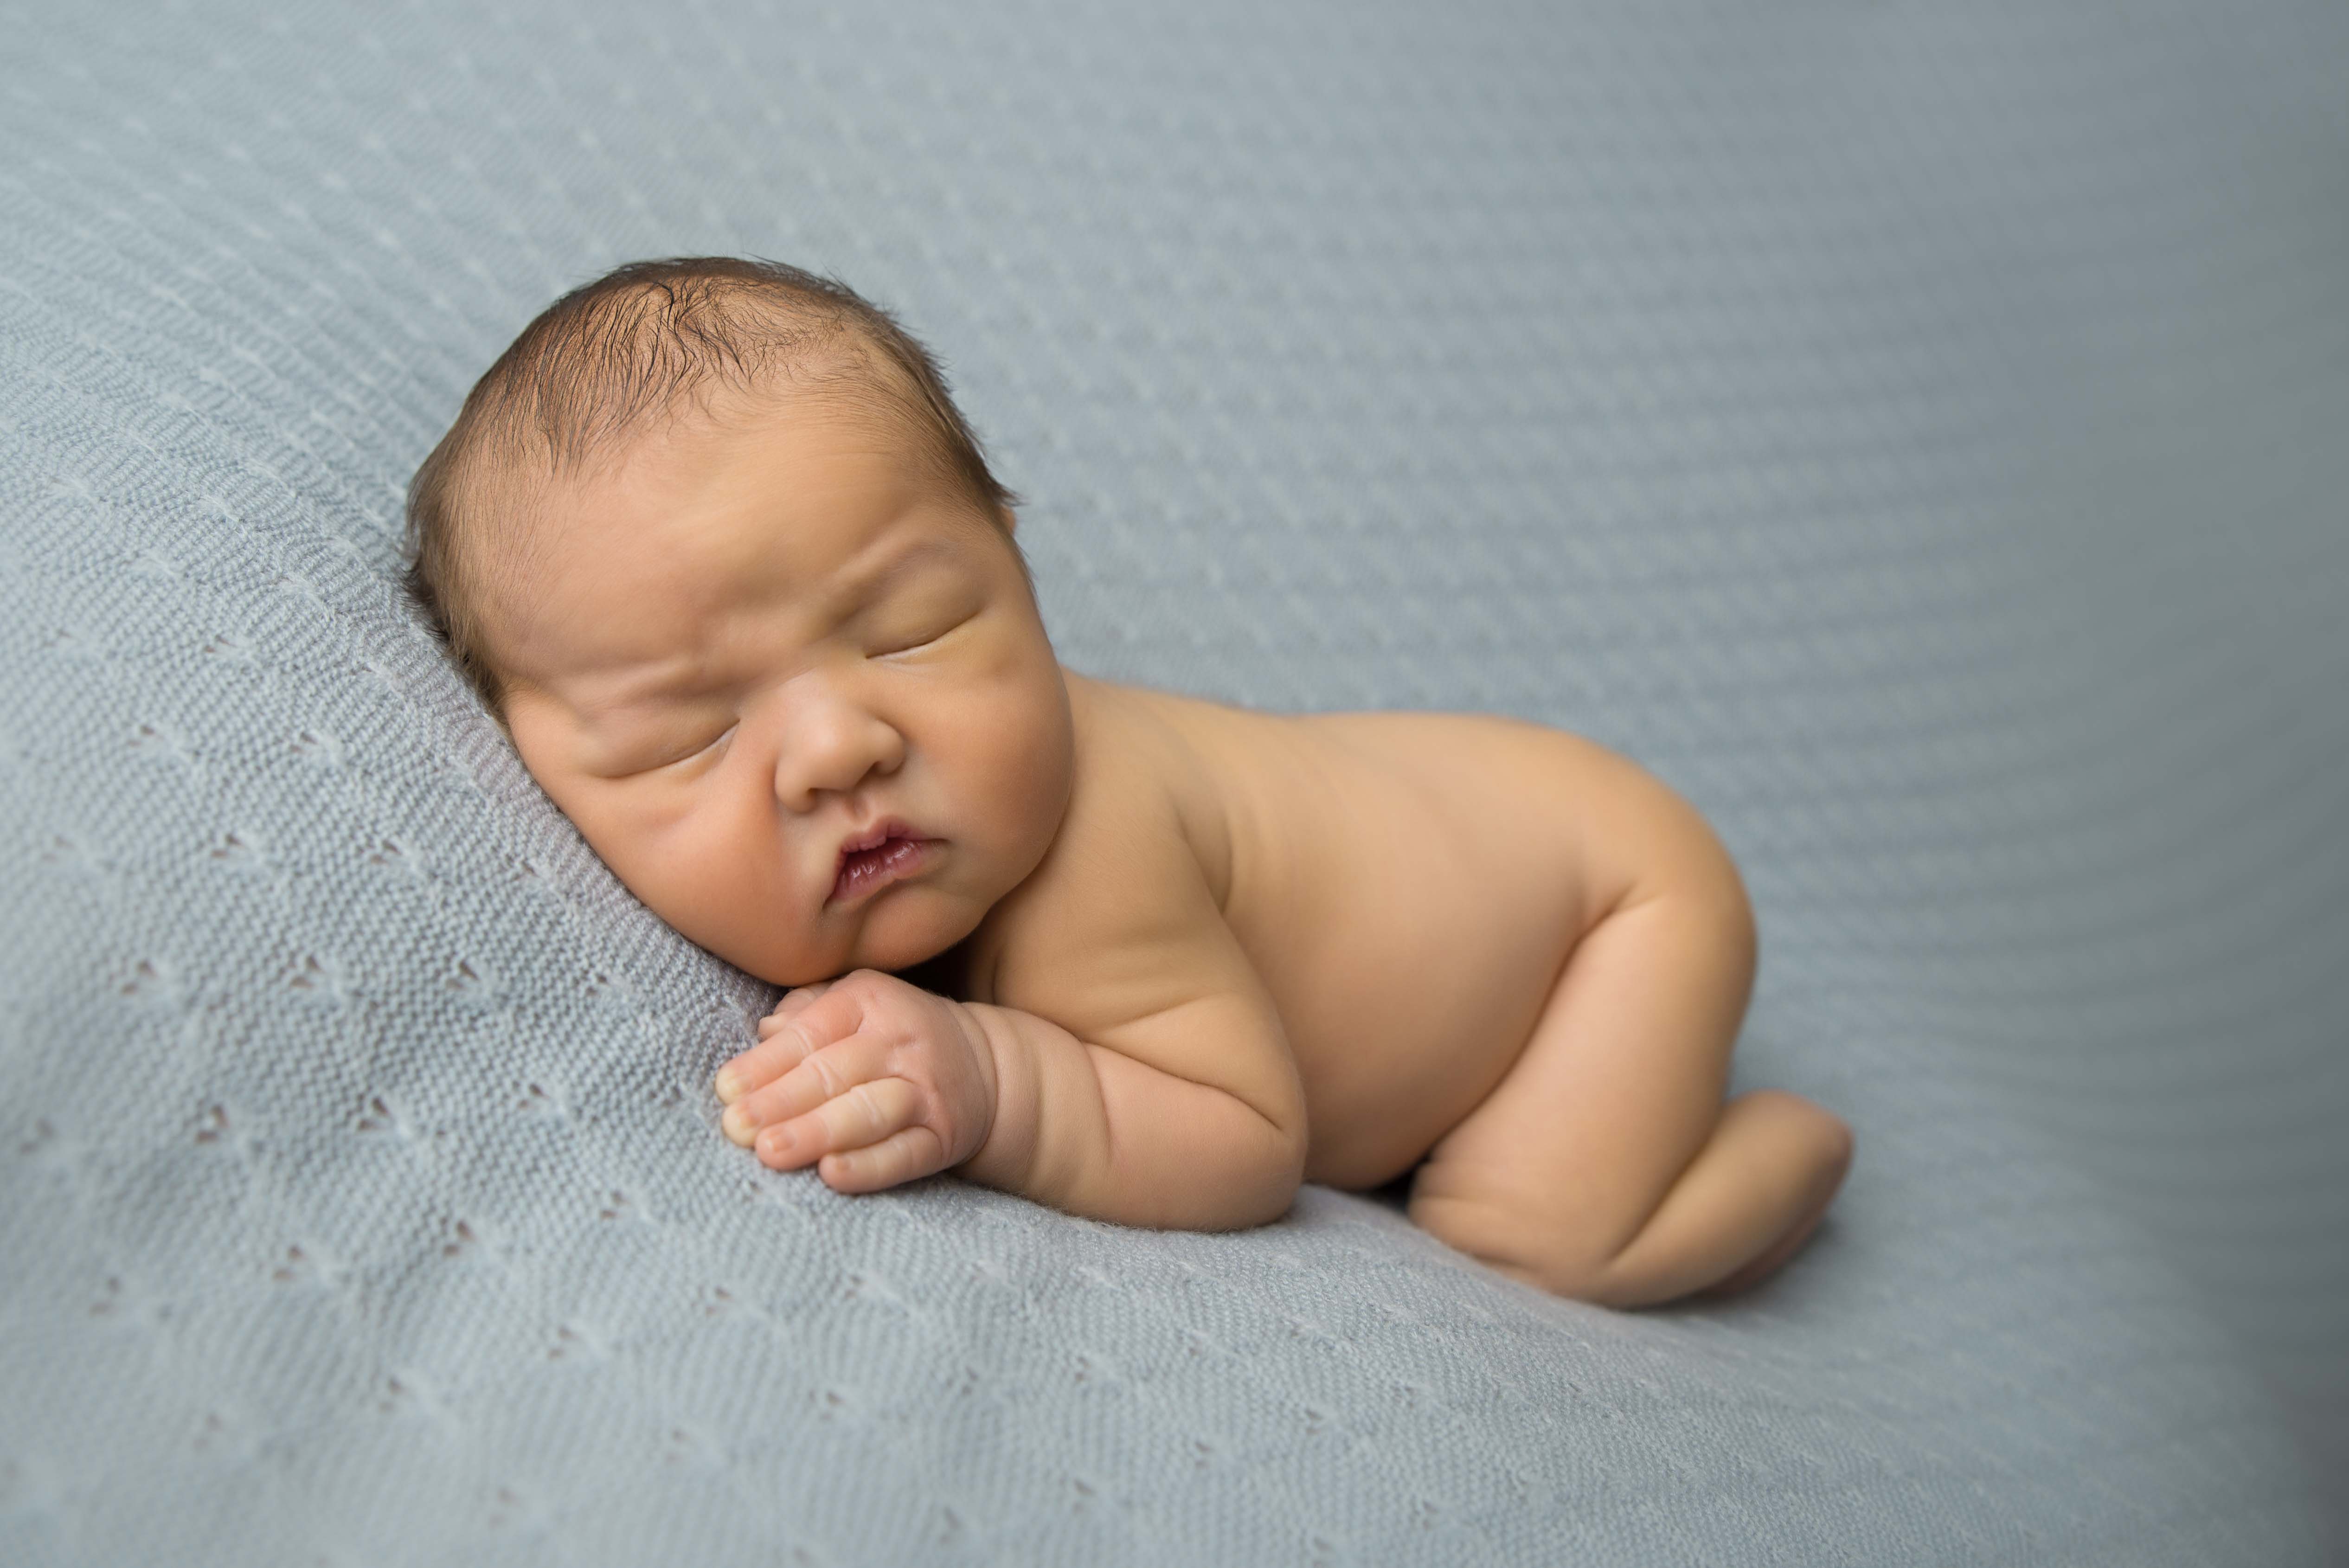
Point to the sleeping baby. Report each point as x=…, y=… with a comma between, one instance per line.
x=714, y=544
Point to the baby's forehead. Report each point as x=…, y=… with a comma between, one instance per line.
x=816, y=508
x=800, y=464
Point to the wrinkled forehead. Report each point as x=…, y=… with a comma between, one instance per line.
x=629, y=557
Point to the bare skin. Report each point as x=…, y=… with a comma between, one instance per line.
x=1175, y=957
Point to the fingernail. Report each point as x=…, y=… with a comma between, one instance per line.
x=729, y=1086
x=737, y=1126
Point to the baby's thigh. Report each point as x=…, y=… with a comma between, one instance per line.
x=1617, y=1087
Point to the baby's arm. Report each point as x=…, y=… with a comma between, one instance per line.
x=1159, y=1091
x=877, y=1082
x=1187, y=1118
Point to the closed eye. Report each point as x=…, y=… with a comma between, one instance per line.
x=692, y=752
x=908, y=644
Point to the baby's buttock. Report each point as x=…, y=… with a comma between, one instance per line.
x=1408, y=886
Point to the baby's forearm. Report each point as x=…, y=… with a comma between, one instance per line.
x=1091, y=1132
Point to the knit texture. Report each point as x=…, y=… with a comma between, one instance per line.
x=1911, y=430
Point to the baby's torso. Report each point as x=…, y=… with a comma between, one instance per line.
x=1407, y=886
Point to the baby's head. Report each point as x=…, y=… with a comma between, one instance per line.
x=714, y=544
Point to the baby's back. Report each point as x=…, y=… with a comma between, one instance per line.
x=1407, y=886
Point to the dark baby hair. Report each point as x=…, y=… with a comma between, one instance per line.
x=635, y=346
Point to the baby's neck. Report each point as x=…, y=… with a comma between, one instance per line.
x=946, y=974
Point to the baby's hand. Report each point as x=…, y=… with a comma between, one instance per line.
x=871, y=1079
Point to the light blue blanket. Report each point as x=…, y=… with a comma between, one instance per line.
x=1913, y=432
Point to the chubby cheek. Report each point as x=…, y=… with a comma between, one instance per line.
x=1017, y=754
x=720, y=882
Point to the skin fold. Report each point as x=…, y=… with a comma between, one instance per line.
x=1140, y=957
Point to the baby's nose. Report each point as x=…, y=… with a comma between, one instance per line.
x=828, y=744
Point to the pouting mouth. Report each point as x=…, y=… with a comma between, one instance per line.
x=873, y=837
x=881, y=855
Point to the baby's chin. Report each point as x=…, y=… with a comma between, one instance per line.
x=902, y=928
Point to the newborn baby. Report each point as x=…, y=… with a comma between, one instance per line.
x=713, y=541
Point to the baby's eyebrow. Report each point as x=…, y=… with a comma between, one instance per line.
x=632, y=697
x=862, y=587
x=636, y=696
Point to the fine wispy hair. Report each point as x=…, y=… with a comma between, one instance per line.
x=645, y=345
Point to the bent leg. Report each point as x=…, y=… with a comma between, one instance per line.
x=1604, y=1166
x=1750, y=1198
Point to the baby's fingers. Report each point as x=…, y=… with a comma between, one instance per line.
x=794, y=1000
x=905, y=1155
x=761, y=1065
x=819, y=1076
x=786, y=1038
x=865, y=1114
